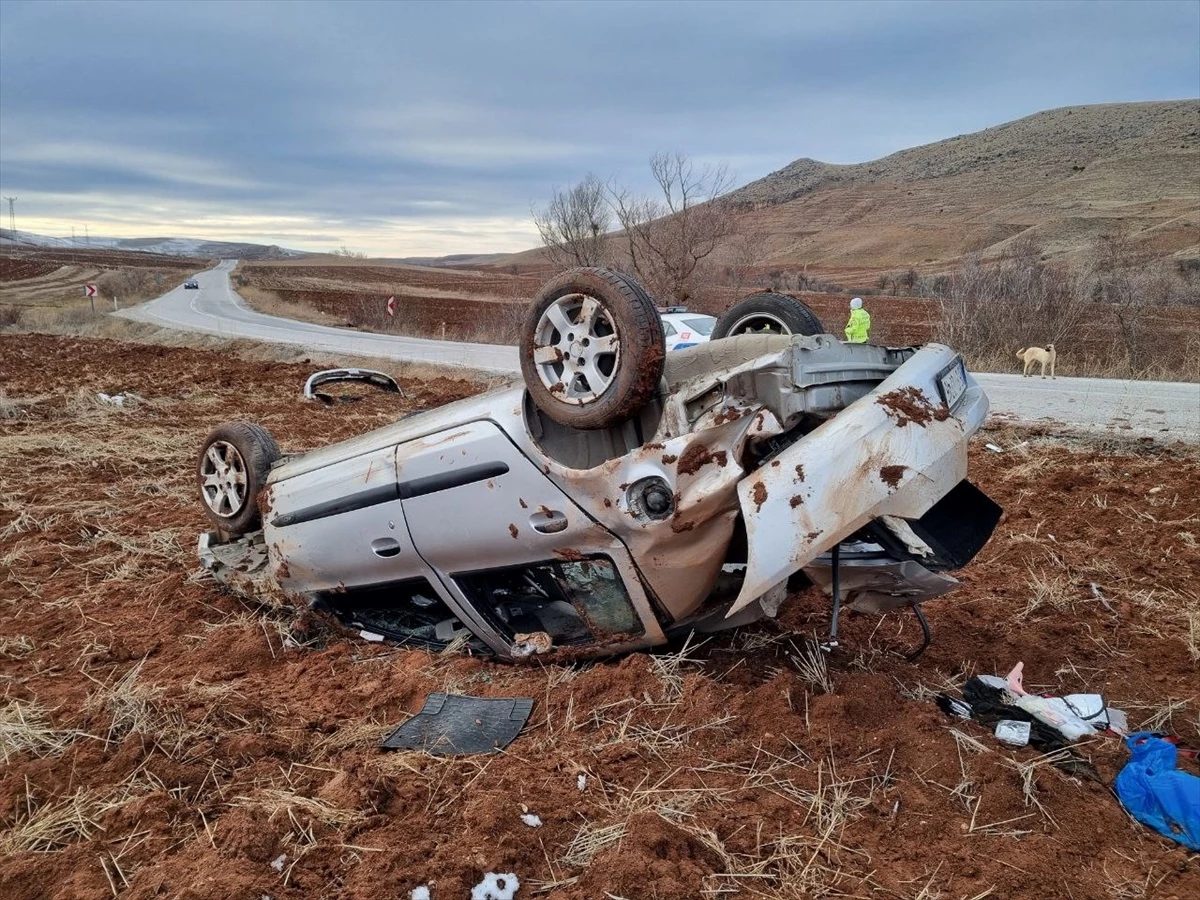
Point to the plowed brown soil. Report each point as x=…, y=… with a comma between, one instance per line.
x=162, y=738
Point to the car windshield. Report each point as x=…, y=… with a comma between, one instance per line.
x=703, y=325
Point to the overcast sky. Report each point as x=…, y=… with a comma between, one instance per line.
x=406, y=129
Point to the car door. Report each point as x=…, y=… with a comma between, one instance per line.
x=339, y=532
x=475, y=505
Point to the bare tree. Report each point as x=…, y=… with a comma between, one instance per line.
x=668, y=236
x=573, y=225
x=747, y=247
x=1133, y=284
x=1014, y=302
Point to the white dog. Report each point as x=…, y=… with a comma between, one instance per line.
x=1030, y=355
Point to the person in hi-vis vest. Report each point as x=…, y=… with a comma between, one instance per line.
x=859, y=324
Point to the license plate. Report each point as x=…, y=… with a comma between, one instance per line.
x=952, y=382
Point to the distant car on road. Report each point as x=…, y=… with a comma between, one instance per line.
x=685, y=329
x=191, y=284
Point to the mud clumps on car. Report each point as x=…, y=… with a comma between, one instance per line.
x=759, y=494
x=512, y=529
x=697, y=456
x=800, y=473
x=732, y=414
x=568, y=553
x=891, y=475
x=795, y=501
x=909, y=404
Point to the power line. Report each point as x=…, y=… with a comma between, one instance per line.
x=12, y=218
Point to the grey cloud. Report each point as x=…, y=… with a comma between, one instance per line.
x=377, y=116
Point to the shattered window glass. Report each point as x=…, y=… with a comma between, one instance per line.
x=575, y=602
x=405, y=611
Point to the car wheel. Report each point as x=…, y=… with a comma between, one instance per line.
x=767, y=313
x=592, y=348
x=231, y=469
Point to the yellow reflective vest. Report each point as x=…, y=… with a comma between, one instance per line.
x=858, y=326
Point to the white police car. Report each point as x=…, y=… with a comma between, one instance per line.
x=685, y=329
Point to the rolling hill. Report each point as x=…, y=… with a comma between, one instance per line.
x=191, y=247
x=1062, y=176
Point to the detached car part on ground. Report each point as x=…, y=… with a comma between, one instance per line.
x=622, y=496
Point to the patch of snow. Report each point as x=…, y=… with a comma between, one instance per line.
x=531, y=820
x=279, y=861
x=496, y=887
x=581, y=782
x=420, y=893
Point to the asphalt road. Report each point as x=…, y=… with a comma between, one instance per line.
x=216, y=309
x=1159, y=409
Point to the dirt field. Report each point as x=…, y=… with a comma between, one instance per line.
x=488, y=305
x=45, y=287
x=163, y=739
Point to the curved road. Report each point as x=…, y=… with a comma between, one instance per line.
x=1159, y=409
x=216, y=309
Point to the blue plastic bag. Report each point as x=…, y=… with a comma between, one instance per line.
x=1156, y=793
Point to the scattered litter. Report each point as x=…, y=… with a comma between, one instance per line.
x=1050, y=710
x=581, y=782
x=420, y=893
x=496, y=887
x=370, y=636
x=1015, y=734
x=452, y=724
x=958, y=708
x=279, y=862
x=994, y=448
x=531, y=820
x=529, y=644
x=1048, y=723
x=118, y=399
x=1097, y=595
x=1156, y=793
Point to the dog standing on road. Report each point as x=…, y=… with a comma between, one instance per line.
x=1030, y=355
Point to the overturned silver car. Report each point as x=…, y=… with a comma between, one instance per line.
x=621, y=496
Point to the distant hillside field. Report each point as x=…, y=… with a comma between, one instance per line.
x=1062, y=176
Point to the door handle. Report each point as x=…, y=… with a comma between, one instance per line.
x=548, y=521
x=385, y=547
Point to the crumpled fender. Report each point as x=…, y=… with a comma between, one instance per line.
x=896, y=451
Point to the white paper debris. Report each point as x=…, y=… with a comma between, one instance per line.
x=531, y=820
x=420, y=893
x=994, y=448
x=496, y=887
x=370, y=636
x=278, y=863
x=581, y=782
x=1013, y=733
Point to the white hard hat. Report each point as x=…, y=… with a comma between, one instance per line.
x=856, y=303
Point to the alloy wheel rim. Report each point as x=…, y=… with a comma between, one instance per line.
x=577, y=349
x=223, y=479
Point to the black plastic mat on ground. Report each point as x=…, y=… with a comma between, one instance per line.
x=453, y=725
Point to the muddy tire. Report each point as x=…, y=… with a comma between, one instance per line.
x=592, y=348
x=767, y=313
x=231, y=469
